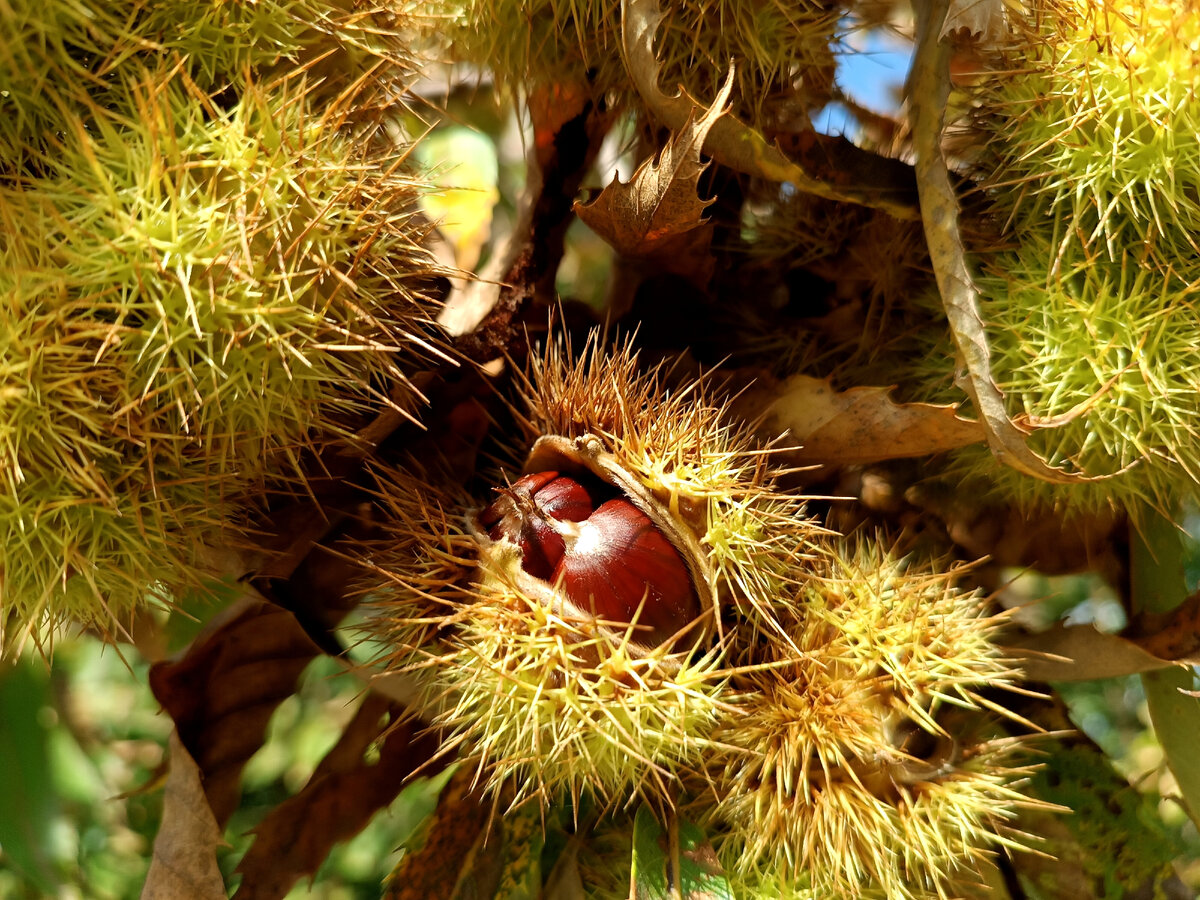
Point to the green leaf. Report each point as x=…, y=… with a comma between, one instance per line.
x=30, y=800
x=1158, y=586
x=657, y=854
x=521, y=878
x=1176, y=718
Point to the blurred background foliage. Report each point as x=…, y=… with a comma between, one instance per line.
x=81, y=755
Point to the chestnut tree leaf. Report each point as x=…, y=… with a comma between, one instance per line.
x=1112, y=843
x=185, y=849
x=1158, y=586
x=1081, y=653
x=31, y=803
x=929, y=89
x=222, y=691
x=860, y=425
x=524, y=837
x=675, y=863
x=450, y=858
x=342, y=796
x=658, y=216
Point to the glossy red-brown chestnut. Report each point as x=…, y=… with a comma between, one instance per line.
x=610, y=561
x=524, y=514
x=621, y=567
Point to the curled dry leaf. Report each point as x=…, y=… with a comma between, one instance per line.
x=339, y=800
x=860, y=425
x=1173, y=636
x=658, y=216
x=222, y=691
x=185, y=850
x=984, y=19
x=929, y=90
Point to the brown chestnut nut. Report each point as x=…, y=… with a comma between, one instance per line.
x=524, y=514
x=610, y=561
x=619, y=566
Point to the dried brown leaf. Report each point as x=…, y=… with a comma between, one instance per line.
x=983, y=18
x=658, y=216
x=1171, y=636
x=1081, y=653
x=929, y=90
x=860, y=425
x=185, y=849
x=339, y=800
x=222, y=691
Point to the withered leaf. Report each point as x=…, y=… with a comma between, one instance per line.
x=860, y=425
x=834, y=167
x=185, y=850
x=223, y=690
x=452, y=861
x=339, y=800
x=1081, y=653
x=982, y=18
x=658, y=216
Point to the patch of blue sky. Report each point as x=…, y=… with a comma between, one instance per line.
x=871, y=71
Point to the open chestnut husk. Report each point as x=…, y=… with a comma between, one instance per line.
x=563, y=628
x=636, y=613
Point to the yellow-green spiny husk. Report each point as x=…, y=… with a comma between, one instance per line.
x=857, y=763
x=189, y=292
x=783, y=52
x=1091, y=160
x=59, y=59
x=1092, y=140
x=832, y=733
x=560, y=706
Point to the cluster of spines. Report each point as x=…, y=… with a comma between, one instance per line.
x=522, y=683
x=833, y=737
x=843, y=772
x=1092, y=139
x=61, y=60
x=205, y=261
x=1090, y=163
